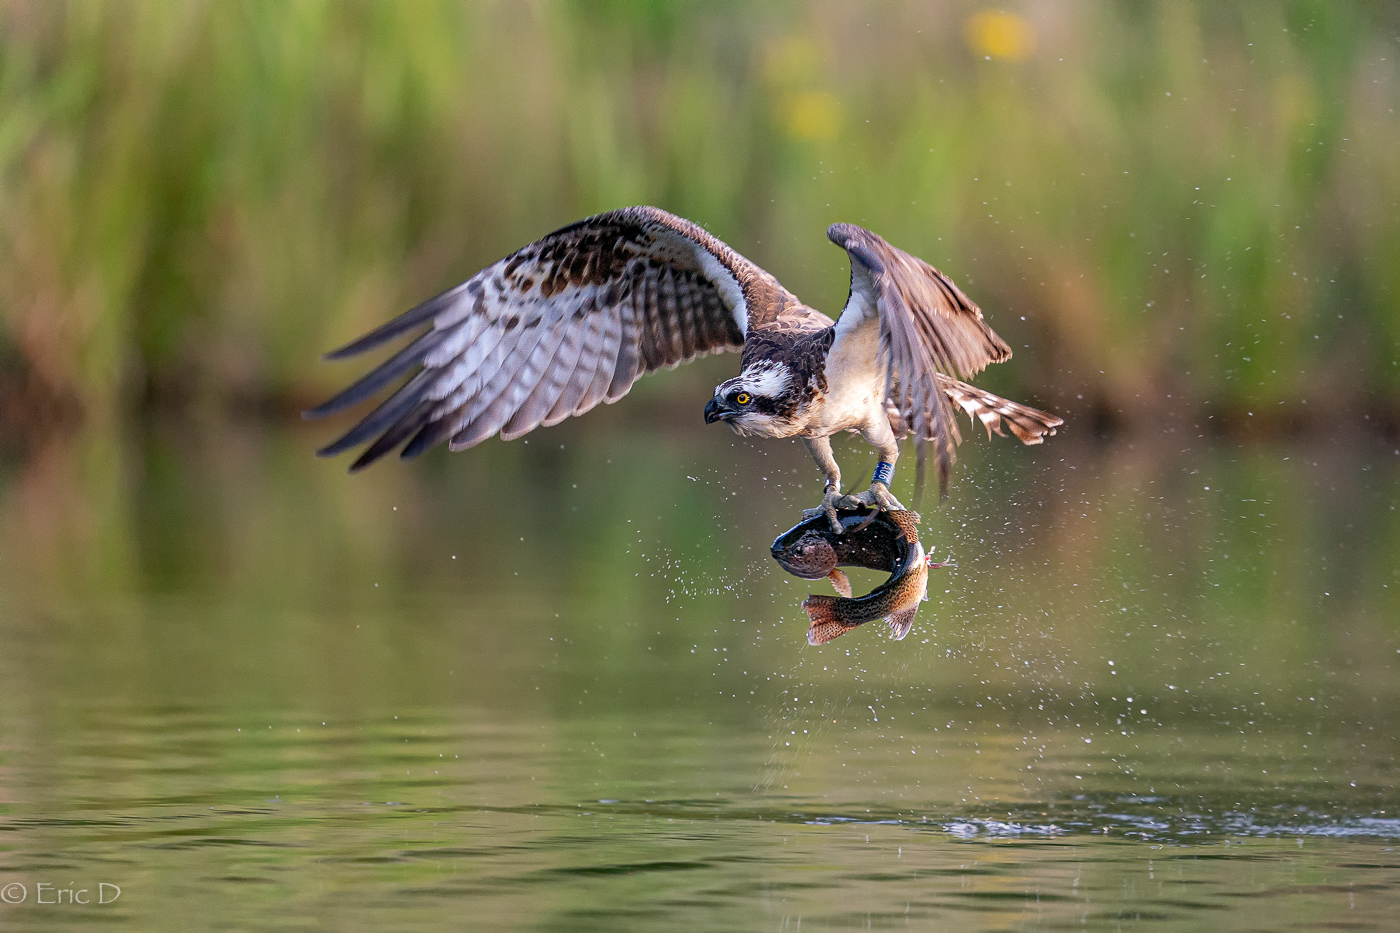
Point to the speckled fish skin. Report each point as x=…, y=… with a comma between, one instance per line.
x=889, y=541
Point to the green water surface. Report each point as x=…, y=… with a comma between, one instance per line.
x=561, y=686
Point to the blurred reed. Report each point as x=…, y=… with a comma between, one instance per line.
x=1168, y=208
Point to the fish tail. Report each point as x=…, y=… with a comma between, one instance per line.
x=826, y=623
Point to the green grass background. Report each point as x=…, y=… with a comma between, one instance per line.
x=1165, y=207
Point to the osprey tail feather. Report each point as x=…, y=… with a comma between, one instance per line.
x=1030, y=425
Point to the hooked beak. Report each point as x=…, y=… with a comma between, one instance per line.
x=715, y=411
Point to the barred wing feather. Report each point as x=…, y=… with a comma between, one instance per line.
x=572, y=320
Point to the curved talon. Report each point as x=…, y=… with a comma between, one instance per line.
x=827, y=508
x=878, y=496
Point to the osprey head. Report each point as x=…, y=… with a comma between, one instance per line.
x=761, y=400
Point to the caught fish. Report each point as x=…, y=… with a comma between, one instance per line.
x=885, y=541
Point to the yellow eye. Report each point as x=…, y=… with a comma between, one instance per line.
x=743, y=398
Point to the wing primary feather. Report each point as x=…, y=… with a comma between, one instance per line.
x=447, y=417
x=394, y=435
x=478, y=362
x=377, y=378
x=394, y=407
x=484, y=380
x=553, y=376
x=499, y=399
x=429, y=435
x=410, y=319
x=489, y=371
x=452, y=411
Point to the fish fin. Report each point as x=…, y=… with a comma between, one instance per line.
x=825, y=625
x=841, y=582
x=905, y=522
x=902, y=621
x=823, y=632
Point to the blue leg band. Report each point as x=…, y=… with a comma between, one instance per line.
x=884, y=472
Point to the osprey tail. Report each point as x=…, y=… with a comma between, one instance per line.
x=1029, y=424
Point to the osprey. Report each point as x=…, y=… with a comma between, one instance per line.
x=576, y=317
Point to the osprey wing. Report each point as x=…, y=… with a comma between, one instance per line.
x=553, y=329
x=927, y=327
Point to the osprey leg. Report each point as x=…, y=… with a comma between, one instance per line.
x=881, y=437
x=878, y=496
x=820, y=449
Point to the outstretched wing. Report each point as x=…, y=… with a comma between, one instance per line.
x=553, y=329
x=927, y=327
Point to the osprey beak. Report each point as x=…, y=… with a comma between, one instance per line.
x=714, y=411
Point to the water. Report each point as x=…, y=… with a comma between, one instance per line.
x=564, y=687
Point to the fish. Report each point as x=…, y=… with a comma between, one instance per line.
x=887, y=541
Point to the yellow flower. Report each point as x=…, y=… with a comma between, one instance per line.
x=812, y=115
x=1001, y=36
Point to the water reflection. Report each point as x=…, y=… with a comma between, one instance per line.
x=1158, y=686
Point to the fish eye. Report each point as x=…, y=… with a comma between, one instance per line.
x=743, y=398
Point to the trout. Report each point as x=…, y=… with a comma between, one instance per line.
x=885, y=541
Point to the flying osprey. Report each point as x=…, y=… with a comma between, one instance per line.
x=576, y=317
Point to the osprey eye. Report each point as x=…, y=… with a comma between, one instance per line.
x=743, y=398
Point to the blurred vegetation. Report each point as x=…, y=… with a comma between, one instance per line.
x=1164, y=206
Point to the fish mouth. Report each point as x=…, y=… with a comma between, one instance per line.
x=716, y=411
x=802, y=569
x=804, y=558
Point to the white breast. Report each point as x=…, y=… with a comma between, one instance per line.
x=855, y=383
